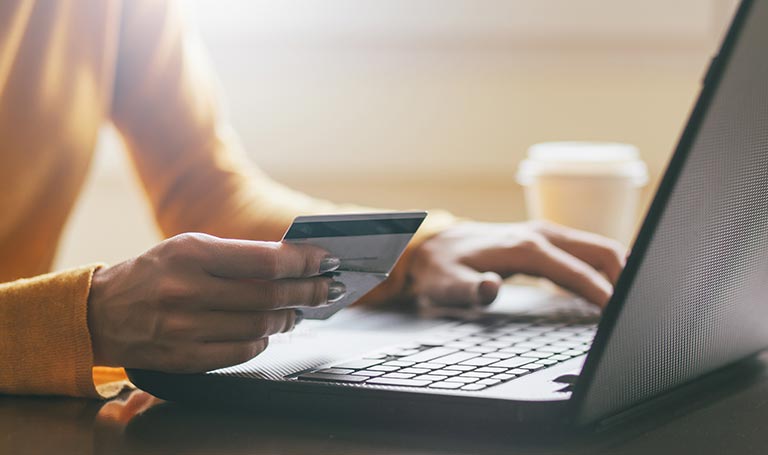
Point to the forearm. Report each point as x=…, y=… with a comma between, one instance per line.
x=192, y=166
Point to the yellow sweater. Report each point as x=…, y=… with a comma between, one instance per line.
x=67, y=66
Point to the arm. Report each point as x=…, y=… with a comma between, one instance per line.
x=192, y=167
x=154, y=311
x=198, y=179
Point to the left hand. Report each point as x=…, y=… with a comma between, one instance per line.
x=465, y=264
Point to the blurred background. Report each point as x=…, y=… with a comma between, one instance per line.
x=423, y=103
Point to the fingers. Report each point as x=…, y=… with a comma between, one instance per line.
x=220, y=326
x=571, y=273
x=257, y=295
x=459, y=285
x=229, y=258
x=601, y=253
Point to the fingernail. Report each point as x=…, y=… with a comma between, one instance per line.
x=299, y=317
x=329, y=264
x=487, y=292
x=336, y=291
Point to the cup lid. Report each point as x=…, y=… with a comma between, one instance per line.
x=604, y=159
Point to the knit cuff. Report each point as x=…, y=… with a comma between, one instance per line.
x=45, y=344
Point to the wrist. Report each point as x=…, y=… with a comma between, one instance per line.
x=95, y=299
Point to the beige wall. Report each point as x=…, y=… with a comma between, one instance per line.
x=419, y=124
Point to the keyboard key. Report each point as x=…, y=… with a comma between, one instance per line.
x=546, y=361
x=515, y=350
x=479, y=361
x=476, y=374
x=445, y=372
x=383, y=368
x=429, y=354
x=553, y=349
x=491, y=370
x=359, y=364
x=332, y=377
x=537, y=329
x=430, y=377
x=414, y=370
x=504, y=376
x=542, y=340
x=502, y=355
x=536, y=354
x=511, y=339
x=481, y=349
x=369, y=373
x=474, y=387
x=397, y=363
x=336, y=371
x=574, y=352
x=489, y=382
x=560, y=357
x=462, y=379
x=513, y=362
x=579, y=344
x=429, y=366
x=532, y=366
x=550, y=336
x=518, y=371
x=446, y=385
x=455, y=358
x=460, y=367
x=583, y=328
x=567, y=344
x=398, y=382
x=473, y=340
x=567, y=331
x=398, y=375
x=529, y=345
x=496, y=344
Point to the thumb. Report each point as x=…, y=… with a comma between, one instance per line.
x=489, y=287
x=460, y=285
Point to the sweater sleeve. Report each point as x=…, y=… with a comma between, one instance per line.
x=193, y=169
x=45, y=345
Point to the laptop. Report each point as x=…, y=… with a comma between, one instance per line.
x=692, y=300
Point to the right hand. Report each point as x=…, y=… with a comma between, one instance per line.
x=195, y=302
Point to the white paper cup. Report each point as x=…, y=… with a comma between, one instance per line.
x=591, y=186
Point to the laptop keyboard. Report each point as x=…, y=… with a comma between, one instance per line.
x=467, y=356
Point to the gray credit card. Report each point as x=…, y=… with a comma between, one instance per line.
x=368, y=245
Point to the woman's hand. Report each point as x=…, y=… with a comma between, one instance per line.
x=464, y=265
x=196, y=302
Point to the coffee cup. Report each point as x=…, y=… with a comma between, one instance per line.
x=592, y=186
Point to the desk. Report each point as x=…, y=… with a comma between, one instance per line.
x=732, y=419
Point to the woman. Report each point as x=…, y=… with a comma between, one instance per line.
x=196, y=301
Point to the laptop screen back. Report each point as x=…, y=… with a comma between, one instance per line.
x=694, y=295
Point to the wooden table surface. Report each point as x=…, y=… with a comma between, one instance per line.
x=731, y=418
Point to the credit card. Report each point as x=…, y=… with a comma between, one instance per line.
x=368, y=246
